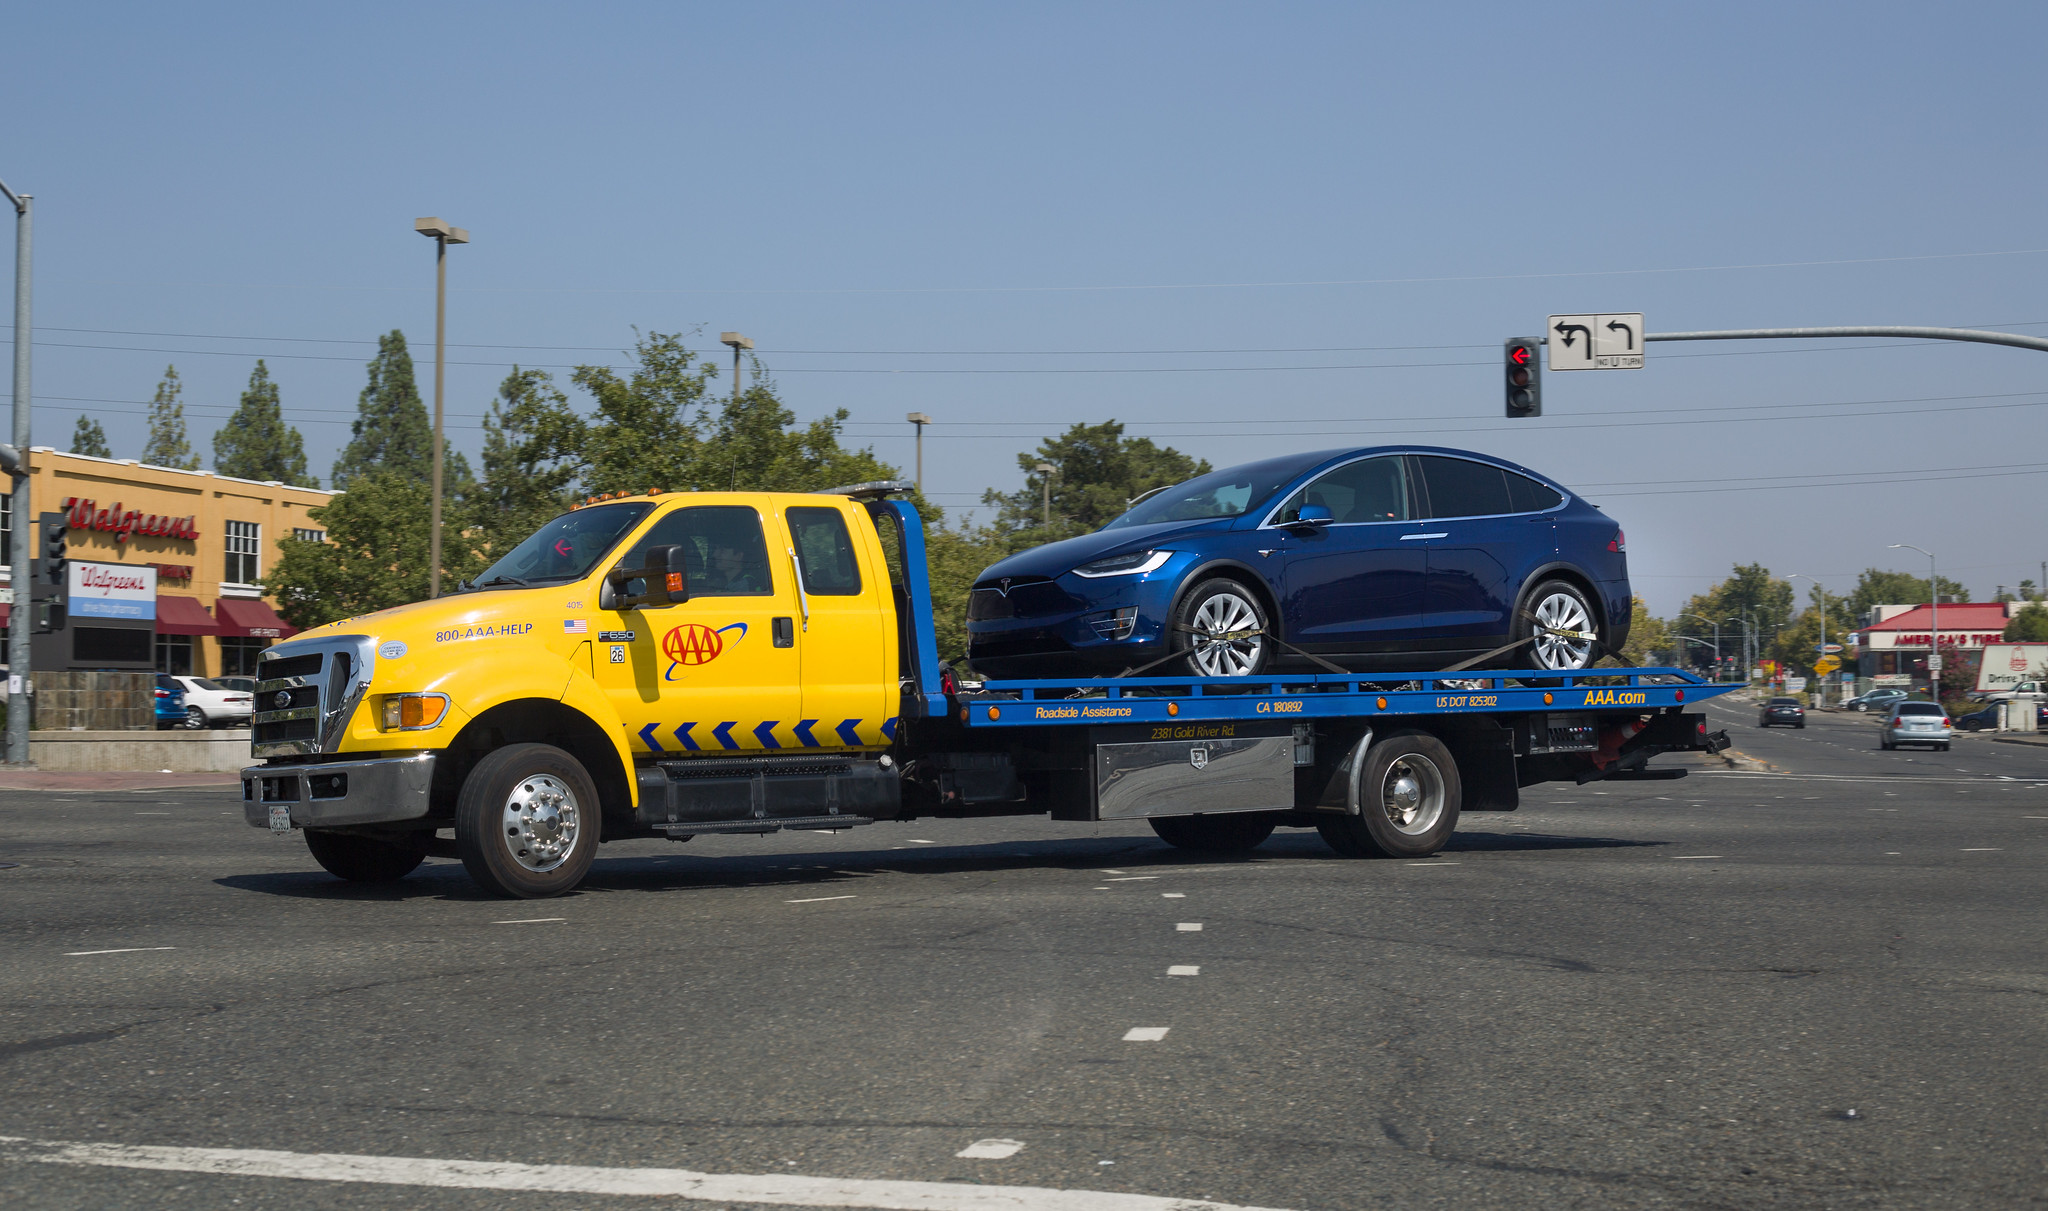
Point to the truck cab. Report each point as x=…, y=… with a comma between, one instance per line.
x=644, y=661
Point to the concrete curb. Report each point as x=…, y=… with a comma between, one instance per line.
x=116, y=780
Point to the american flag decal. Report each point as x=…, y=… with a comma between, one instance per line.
x=575, y=626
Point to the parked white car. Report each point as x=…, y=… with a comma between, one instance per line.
x=208, y=703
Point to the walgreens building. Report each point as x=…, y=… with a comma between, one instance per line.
x=164, y=568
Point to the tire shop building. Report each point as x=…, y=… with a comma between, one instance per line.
x=164, y=568
x=1893, y=646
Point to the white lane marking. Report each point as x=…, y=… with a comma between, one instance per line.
x=1145, y=1034
x=1181, y=895
x=1692, y=857
x=124, y=950
x=1892, y=780
x=1134, y=878
x=919, y=841
x=1189, y=927
x=990, y=1150
x=786, y=1189
x=530, y=921
x=1429, y=863
x=1984, y=849
x=1184, y=971
x=820, y=899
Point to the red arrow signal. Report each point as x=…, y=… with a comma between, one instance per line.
x=1519, y=355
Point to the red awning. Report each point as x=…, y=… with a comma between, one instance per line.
x=183, y=616
x=5, y=611
x=251, y=618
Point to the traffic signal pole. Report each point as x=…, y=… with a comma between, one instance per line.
x=18, y=631
x=1976, y=335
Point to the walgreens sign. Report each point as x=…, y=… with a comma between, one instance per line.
x=83, y=514
x=112, y=590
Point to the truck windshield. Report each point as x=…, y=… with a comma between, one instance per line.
x=566, y=548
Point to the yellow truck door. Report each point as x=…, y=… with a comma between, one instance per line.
x=846, y=637
x=720, y=671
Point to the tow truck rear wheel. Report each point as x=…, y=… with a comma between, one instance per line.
x=1408, y=797
x=1235, y=833
x=526, y=823
x=362, y=859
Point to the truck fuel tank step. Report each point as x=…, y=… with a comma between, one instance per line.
x=766, y=790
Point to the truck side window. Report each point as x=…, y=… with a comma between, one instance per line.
x=825, y=550
x=723, y=550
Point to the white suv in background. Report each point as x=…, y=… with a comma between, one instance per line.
x=208, y=703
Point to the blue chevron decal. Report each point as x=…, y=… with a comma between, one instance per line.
x=766, y=734
x=889, y=730
x=849, y=731
x=723, y=734
x=647, y=738
x=803, y=733
x=683, y=734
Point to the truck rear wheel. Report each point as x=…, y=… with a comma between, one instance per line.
x=1408, y=803
x=526, y=823
x=1236, y=833
x=362, y=859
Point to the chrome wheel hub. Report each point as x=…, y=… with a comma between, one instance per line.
x=1412, y=794
x=541, y=822
x=1564, y=633
x=1227, y=637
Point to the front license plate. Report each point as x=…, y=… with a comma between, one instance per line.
x=280, y=819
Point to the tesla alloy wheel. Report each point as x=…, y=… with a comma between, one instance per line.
x=1222, y=627
x=1559, y=623
x=527, y=822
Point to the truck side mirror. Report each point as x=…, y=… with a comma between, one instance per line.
x=663, y=578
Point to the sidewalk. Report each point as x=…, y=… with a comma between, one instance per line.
x=112, y=780
x=2037, y=739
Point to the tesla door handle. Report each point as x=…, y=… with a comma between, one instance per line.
x=1413, y=537
x=783, y=630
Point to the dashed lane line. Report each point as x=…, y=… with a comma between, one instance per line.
x=820, y=899
x=991, y=1150
x=778, y=1189
x=1146, y=1034
x=119, y=950
x=531, y=921
x=1189, y=927
x=1189, y=970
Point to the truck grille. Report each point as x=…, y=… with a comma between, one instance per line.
x=305, y=693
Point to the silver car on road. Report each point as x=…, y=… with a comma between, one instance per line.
x=1915, y=723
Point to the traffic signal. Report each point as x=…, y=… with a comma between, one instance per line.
x=54, y=526
x=1524, y=377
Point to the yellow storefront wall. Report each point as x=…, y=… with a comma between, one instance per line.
x=210, y=500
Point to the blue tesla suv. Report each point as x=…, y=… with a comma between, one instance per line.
x=1389, y=557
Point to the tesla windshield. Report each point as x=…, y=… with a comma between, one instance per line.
x=1225, y=493
x=565, y=548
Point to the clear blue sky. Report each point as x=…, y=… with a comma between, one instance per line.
x=1239, y=229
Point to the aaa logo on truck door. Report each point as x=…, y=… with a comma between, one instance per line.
x=694, y=643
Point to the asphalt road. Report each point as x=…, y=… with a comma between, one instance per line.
x=1817, y=987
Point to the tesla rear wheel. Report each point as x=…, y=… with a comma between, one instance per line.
x=1558, y=622
x=1222, y=628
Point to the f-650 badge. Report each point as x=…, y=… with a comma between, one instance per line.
x=693, y=643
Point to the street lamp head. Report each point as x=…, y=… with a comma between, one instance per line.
x=1045, y=468
x=735, y=340
x=918, y=418
x=436, y=229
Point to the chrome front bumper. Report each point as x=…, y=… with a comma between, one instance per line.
x=378, y=791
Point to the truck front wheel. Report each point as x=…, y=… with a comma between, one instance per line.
x=362, y=859
x=1236, y=833
x=527, y=822
x=1408, y=799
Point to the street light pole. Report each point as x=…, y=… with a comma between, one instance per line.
x=24, y=535
x=920, y=420
x=443, y=235
x=1717, y=638
x=1045, y=471
x=738, y=343
x=1934, y=669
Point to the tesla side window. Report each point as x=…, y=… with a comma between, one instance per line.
x=1458, y=488
x=1528, y=496
x=1371, y=489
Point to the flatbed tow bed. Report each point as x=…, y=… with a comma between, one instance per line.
x=379, y=735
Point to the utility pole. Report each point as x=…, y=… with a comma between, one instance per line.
x=14, y=459
x=920, y=420
x=443, y=235
x=738, y=343
x=1820, y=688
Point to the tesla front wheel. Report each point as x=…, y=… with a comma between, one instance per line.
x=527, y=822
x=1222, y=628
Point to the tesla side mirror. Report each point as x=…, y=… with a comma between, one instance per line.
x=1312, y=517
x=662, y=577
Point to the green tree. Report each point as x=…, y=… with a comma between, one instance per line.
x=375, y=556
x=167, y=445
x=1750, y=593
x=1879, y=587
x=88, y=438
x=391, y=431
x=2029, y=625
x=1097, y=473
x=256, y=443
x=1798, y=645
x=647, y=427
x=530, y=459
x=1649, y=638
x=2028, y=592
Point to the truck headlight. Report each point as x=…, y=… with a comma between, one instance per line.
x=413, y=712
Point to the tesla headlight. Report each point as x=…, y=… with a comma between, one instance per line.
x=1124, y=565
